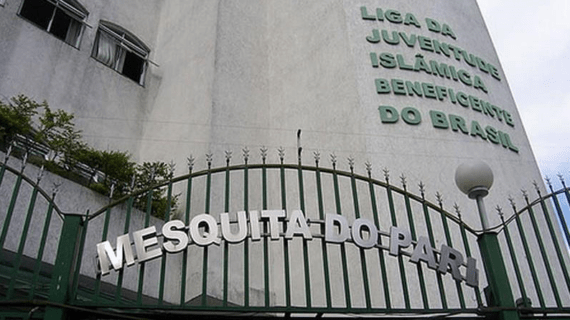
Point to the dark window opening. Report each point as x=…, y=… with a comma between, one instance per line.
x=133, y=67
x=120, y=50
x=38, y=12
x=54, y=19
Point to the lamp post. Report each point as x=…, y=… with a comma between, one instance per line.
x=475, y=179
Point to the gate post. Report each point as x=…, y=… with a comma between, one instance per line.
x=63, y=269
x=501, y=294
x=475, y=180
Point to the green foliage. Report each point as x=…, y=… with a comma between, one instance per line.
x=57, y=132
x=150, y=174
x=117, y=167
x=16, y=117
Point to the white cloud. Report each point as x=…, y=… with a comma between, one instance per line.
x=532, y=42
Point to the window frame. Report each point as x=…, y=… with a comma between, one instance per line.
x=126, y=42
x=72, y=9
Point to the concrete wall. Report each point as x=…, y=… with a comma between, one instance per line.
x=108, y=107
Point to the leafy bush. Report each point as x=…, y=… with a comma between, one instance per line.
x=16, y=117
x=150, y=174
x=73, y=159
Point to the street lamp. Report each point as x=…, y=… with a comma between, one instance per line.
x=475, y=179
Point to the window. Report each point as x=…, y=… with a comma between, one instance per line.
x=120, y=50
x=62, y=18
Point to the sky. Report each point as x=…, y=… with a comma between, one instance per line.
x=532, y=39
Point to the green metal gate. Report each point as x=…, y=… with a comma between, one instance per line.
x=285, y=266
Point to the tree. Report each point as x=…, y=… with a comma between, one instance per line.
x=150, y=174
x=16, y=117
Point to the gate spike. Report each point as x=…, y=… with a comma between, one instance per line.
x=562, y=180
x=40, y=174
x=299, y=147
x=245, y=154
x=368, y=166
x=422, y=189
x=132, y=186
x=281, y=153
x=535, y=184
x=55, y=189
x=386, y=175
x=439, y=198
x=512, y=202
x=351, y=163
x=317, y=156
x=333, y=160
x=499, y=211
x=209, y=157
x=403, y=180
x=190, y=160
x=263, y=151
x=171, y=168
x=228, y=156
x=8, y=152
x=547, y=179
x=24, y=161
x=525, y=194
x=152, y=172
x=457, y=210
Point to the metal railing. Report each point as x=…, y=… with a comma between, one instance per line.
x=275, y=273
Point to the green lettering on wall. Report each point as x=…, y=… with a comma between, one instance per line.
x=476, y=130
x=375, y=37
x=438, y=119
x=395, y=40
x=508, y=118
x=492, y=135
x=387, y=60
x=458, y=123
x=382, y=86
x=398, y=87
x=388, y=114
x=393, y=16
x=478, y=84
x=446, y=31
x=425, y=43
x=433, y=25
x=411, y=116
x=414, y=88
x=374, y=59
x=410, y=19
x=364, y=14
x=429, y=90
x=409, y=41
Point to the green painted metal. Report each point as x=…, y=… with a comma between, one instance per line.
x=497, y=275
x=186, y=222
x=348, y=299
x=328, y=296
x=544, y=254
x=554, y=239
x=383, y=270
x=449, y=241
x=146, y=296
x=515, y=262
x=63, y=268
x=415, y=238
x=431, y=237
x=528, y=256
x=23, y=239
x=363, y=265
x=285, y=242
x=246, y=241
x=393, y=219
